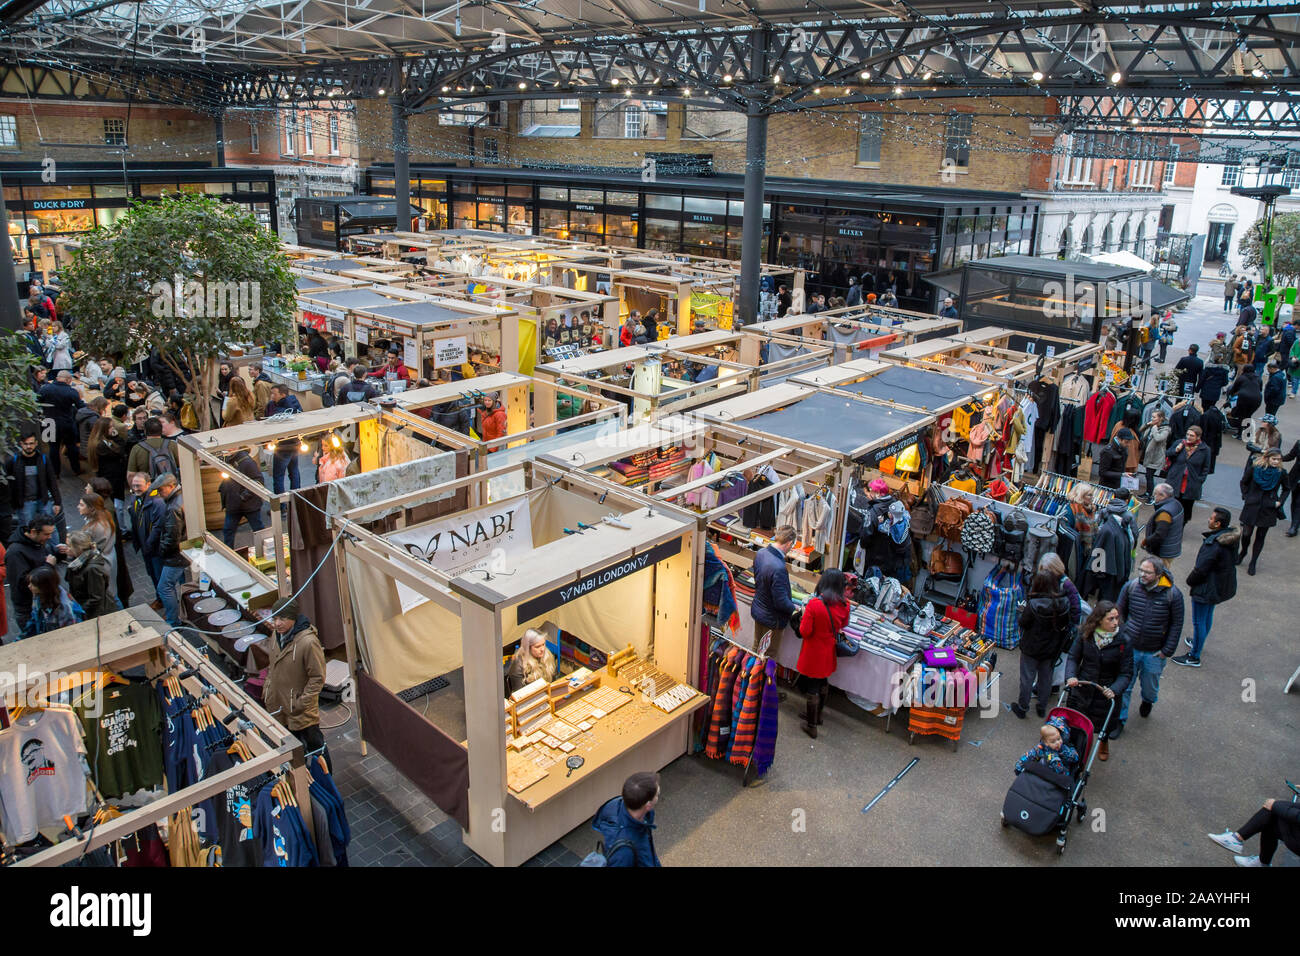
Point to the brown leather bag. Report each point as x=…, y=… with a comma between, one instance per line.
x=950, y=517
x=943, y=561
x=923, y=514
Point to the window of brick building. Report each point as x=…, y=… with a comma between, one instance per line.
x=1171, y=167
x=8, y=132
x=633, y=122
x=114, y=132
x=334, y=135
x=307, y=145
x=290, y=134
x=957, y=135
x=1231, y=176
x=254, y=144
x=870, y=134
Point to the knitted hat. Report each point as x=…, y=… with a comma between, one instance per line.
x=879, y=486
x=286, y=609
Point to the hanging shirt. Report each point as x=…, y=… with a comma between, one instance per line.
x=280, y=831
x=234, y=811
x=1029, y=409
x=41, y=775
x=124, y=741
x=790, y=508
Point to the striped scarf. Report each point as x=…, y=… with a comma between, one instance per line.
x=720, y=713
x=742, y=741
x=765, y=746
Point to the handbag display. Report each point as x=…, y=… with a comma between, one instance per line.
x=945, y=562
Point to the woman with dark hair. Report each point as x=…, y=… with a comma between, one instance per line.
x=651, y=323
x=1101, y=655
x=225, y=372
x=52, y=605
x=1045, y=629
x=824, y=616
x=1189, y=463
x=1263, y=489
x=106, y=453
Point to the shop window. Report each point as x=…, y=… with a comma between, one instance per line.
x=957, y=136
x=8, y=132
x=553, y=193
x=870, y=134
x=114, y=132
x=655, y=201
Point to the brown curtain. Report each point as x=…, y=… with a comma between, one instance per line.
x=426, y=756
x=309, y=544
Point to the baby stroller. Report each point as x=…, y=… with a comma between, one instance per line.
x=1041, y=799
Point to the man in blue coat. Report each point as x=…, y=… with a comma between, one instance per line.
x=772, y=605
x=626, y=824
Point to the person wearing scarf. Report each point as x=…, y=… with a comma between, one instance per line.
x=1101, y=655
x=899, y=530
x=1189, y=463
x=1262, y=490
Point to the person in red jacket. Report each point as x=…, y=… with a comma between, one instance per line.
x=394, y=367
x=824, y=616
x=492, y=420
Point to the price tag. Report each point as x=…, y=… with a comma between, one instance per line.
x=1110, y=376
x=1051, y=350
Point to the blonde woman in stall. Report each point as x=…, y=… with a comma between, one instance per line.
x=532, y=661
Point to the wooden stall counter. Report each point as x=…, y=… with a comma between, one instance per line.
x=618, y=721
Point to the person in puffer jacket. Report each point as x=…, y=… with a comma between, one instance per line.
x=1052, y=749
x=626, y=823
x=1046, y=626
x=1152, y=608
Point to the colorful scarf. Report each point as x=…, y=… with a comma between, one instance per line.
x=720, y=712
x=742, y=741
x=1267, y=478
x=765, y=745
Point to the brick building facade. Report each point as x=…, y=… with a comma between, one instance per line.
x=151, y=133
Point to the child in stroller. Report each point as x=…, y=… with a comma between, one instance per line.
x=1053, y=749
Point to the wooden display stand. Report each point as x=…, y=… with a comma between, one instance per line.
x=132, y=638
x=515, y=807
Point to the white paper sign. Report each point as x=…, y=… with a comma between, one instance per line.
x=450, y=352
x=1051, y=350
x=411, y=355
x=488, y=539
x=363, y=335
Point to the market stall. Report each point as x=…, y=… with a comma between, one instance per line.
x=437, y=333
x=125, y=795
x=669, y=376
x=435, y=605
x=526, y=421
x=254, y=577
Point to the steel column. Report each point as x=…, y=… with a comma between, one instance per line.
x=401, y=168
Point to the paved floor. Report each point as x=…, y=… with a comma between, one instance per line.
x=1220, y=740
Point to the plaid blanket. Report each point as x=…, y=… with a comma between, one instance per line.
x=742, y=741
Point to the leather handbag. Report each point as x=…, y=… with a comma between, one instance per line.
x=950, y=516
x=945, y=562
x=923, y=514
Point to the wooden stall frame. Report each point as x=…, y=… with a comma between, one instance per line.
x=529, y=827
x=273, y=746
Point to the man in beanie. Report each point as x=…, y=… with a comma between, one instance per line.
x=295, y=675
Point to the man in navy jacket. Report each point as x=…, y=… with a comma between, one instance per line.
x=772, y=605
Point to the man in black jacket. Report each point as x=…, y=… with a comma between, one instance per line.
x=33, y=485
x=1113, y=460
x=28, y=550
x=61, y=402
x=1213, y=580
x=358, y=390
x=1152, y=609
x=240, y=503
x=166, y=534
x=1189, y=370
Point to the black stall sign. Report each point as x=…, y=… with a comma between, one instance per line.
x=874, y=457
x=597, y=579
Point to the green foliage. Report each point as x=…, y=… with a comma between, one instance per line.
x=1286, y=248
x=164, y=276
x=16, y=395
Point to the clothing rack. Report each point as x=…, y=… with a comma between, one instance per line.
x=1062, y=484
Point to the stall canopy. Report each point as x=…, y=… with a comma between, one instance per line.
x=352, y=298
x=840, y=424
x=419, y=313
x=332, y=265
x=913, y=387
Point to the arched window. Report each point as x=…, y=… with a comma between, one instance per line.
x=1088, y=242
x=1123, y=236
x=1107, y=237
x=1067, y=240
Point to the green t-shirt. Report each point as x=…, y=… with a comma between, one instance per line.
x=123, y=738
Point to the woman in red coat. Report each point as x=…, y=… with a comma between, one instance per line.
x=824, y=616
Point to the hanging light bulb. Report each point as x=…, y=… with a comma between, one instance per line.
x=1116, y=76
x=1038, y=76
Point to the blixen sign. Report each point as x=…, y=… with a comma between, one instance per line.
x=597, y=580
